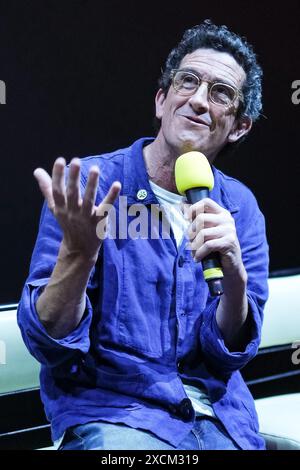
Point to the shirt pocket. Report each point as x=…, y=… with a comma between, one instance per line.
x=146, y=300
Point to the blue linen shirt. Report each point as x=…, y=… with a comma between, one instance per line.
x=149, y=322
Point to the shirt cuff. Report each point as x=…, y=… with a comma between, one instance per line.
x=43, y=347
x=213, y=344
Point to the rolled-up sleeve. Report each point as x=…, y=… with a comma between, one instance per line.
x=254, y=246
x=44, y=348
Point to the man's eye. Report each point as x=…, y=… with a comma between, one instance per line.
x=222, y=91
x=189, y=81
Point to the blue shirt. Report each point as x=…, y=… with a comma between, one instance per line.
x=149, y=323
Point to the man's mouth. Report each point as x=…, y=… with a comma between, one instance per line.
x=196, y=120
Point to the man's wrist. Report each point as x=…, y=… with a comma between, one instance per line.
x=85, y=259
x=235, y=282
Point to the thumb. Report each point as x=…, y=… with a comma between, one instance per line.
x=45, y=184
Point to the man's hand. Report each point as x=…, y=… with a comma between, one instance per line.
x=77, y=216
x=213, y=229
x=62, y=303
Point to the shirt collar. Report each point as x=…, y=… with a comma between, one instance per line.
x=220, y=193
x=137, y=188
x=136, y=182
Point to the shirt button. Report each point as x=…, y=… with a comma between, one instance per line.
x=74, y=369
x=181, y=261
x=186, y=409
x=142, y=194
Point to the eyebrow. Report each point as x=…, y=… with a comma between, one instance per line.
x=216, y=80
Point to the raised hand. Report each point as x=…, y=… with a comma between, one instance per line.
x=77, y=215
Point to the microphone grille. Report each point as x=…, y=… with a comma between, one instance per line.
x=192, y=170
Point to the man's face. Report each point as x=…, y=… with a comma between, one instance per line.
x=180, y=116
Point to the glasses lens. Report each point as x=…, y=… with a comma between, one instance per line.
x=185, y=82
x=222, y=94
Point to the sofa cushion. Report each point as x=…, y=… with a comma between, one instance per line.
x=278, y=421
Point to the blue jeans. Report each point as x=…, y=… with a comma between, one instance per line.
x=207, y=434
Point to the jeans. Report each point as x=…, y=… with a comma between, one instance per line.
x=207, y=434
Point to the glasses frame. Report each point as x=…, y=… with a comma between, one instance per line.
x=237, y=93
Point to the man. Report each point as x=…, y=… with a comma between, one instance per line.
x=135, y=352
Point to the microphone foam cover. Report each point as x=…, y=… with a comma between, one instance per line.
x=192, y=170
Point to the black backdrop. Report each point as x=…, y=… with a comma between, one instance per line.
x=81, y=76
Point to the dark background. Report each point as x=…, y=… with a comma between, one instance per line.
x=81, y=77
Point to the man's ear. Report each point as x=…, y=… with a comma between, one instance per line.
x=159, y=103
x=240, y=127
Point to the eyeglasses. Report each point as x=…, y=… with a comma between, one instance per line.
x=187, y=83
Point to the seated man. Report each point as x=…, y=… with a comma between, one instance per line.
x=135, y=352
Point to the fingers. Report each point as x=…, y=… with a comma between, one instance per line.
x=221, y=238
x=207, y=214
x=104, y=208
x=59, y=196
x=73, y=190
x=45, y=184
x=205, y=249
x=108, y=201
x=112, y=193
x=212, y=229
x=54, y=190
x=91, y=191
x=206, y=205
x=206, y=234
x=203, y=221
x=58, y=182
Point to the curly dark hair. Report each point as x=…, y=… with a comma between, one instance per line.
x=208, y=35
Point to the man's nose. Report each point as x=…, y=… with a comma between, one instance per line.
x=199, y=100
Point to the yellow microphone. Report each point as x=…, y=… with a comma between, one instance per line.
x=194, y=179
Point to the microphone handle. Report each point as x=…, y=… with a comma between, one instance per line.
x=211, y=264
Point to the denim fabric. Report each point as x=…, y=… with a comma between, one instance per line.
x=207, y=434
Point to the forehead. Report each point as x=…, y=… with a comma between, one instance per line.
x=215, y=65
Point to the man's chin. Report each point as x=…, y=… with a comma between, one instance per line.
x=189, y=145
